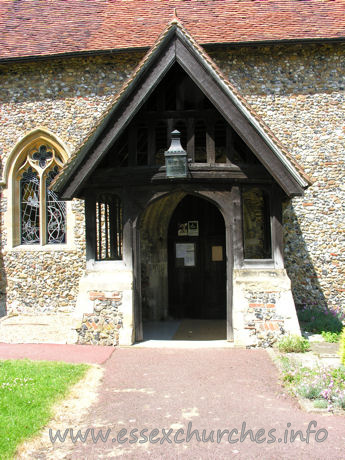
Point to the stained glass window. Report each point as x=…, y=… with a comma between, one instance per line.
x=55, y=213
x=42, y=213
x=42, y=155
x=30, y=208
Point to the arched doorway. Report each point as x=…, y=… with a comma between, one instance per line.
x=197, y=261
x=183, y=269
x=153, y=227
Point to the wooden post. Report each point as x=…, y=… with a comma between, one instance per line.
x=277, y=226
x=132, y=144
x=210, y=144
x=229, y=282
x=90, y=226
x=138, y=321
x=113, y=229
x=191, y=139
x=170, y=127
x=229, y=239
x=237, y=226
x=229, y=145
x=151, y=144
x=133, y=204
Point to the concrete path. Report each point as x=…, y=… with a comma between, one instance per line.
x=213, y=390
x=58, y=328
x=54, y=352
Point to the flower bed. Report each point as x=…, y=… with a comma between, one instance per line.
x=324, y=386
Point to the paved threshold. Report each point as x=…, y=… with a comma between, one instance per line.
x=184, y=344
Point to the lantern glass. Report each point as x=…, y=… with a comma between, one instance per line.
x=176, y=158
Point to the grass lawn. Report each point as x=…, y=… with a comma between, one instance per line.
x=28, y=390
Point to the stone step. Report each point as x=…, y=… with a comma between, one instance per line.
x=39, y=329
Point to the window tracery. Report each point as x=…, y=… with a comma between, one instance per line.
x=42, y=213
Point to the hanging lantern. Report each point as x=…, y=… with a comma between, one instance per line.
x=176, y=158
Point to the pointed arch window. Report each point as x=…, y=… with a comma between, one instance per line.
x=30, y=207
x=42, y=215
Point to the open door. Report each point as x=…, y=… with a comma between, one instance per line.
x=197, y=261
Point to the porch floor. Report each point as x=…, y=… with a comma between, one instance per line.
x=191, y=333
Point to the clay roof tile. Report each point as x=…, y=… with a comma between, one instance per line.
x=50, y=27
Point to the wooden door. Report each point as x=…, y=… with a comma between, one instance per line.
x=197, y=261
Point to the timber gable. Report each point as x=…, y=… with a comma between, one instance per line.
x=176, y=46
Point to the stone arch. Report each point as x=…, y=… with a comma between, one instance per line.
x=153, y=226
x=205, y=194
x=18, y=152
x=16, y=161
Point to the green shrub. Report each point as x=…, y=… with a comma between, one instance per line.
x=293, y=344
x=325, y=386
x=340, y=400
x=337, y=376
x=342, y=347
x=316, y=319
x=331, y=337
x=310, y=390
x=320, y=404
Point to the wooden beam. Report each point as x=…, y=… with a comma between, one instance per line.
x=216, y=173
x=179, y=114
x=210, y=144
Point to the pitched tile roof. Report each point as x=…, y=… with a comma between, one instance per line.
x=49, y=27
x=80, y=154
